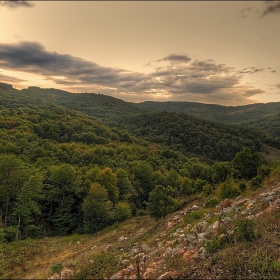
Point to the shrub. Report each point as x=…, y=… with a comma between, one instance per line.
x=228, y=190
x=193, y=216
x=213, y=245
x=56, y=268
x=211, y=203
x=245, y=230
x=242, y=186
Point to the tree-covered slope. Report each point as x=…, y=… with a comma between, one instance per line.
x=89, y=103
x=195, y=137
x=216, y=113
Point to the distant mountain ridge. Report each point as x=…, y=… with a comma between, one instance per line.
x=242, y=114
x=259, y=116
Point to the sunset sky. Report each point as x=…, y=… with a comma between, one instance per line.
x=221, y=52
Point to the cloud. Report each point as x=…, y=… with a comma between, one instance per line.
x=10, y=79
x=250, y=70
x=272, y=7
x=16, y=4
x=245, y=12
x=181, y=78
x=176, y=58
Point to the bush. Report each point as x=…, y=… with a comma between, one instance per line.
x=228, y=190
x=256, y=182
x=56, y=268
x=245, y=230
x=193, y=216
x=211, y=203
x=242, y=186
x=213, y=245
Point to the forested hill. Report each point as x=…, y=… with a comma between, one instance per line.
x=217, y=113
x=97, y=105
x=195, y=137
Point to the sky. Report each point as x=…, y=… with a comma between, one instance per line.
x=215, y=52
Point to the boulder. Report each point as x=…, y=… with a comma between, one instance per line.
x=226, y=203
x=168, y=252
x=179, y=230
x=168, y=276
x=66, y=273
x=121, y=239
x=145, y=247
x=55, y=276
x=201, y=227
x=191, y=238
x=195, y=207
x=269, y=198
x=215, y=225
x=116, y=276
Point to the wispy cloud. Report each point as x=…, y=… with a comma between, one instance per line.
x=10, y=79
x=181, y=78
x=16, y=4
x=272, y=7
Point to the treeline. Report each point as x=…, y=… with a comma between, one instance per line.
x=192, y=136
x=97, y=105
x=216, y=113
x=62, y=172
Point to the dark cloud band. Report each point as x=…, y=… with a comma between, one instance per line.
x=183, y=78
x=16, y=4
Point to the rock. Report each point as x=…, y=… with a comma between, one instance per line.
x=195, y=207
x=160, y=244
x=109, y=248
x=181, y=238
x=240, y=203
x=139, y=256
x=211, y=215
x=277, y=202
x=179, y=230
x=174, y=234
x=168, y=252
x=169, y=225
x=151, y=272
x=116, y=276
x=189, y=254
x=201, y=227
x=66, y=273
x=226, y=220
x=202, y=252
x=268, y=199
x=145, y=247
x=208, y=232
x=191, y=238
x=168, y=276
x=180, y=252
x=121, y=239
x=215, y=225
x=55, y=276
x=226, y=203
x=154, y=253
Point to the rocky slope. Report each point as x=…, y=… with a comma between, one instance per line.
x=193, y=241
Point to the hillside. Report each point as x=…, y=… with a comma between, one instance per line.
x=201, y=241
x=195, y=137
x=97, y=105
x=82, y=191
x=216, y=113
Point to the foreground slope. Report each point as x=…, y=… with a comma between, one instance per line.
x=197, y=242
